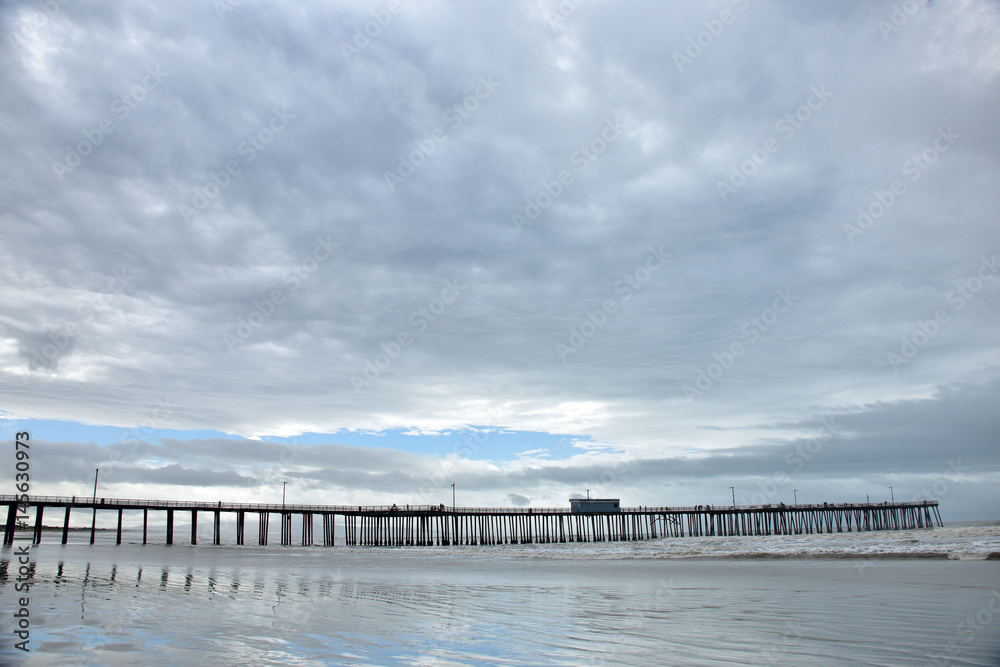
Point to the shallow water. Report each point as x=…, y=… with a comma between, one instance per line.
x=588, y=604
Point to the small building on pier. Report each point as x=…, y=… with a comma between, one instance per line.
x=591, y=505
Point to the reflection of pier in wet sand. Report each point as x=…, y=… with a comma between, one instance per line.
x=437, y=525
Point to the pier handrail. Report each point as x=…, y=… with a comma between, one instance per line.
x=207, y=505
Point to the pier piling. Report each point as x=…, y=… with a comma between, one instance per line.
x=37, y=537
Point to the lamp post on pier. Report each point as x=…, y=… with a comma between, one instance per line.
x=453, y=497
x=734, y=496
x=283, y=484
x=891, y=498
x=795, y=494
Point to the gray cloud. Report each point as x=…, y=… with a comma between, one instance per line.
x=518, y=499
x=948, y=441
x=138, y=299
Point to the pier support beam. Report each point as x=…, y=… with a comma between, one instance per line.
x=262, y=529
x=328, y=529
x=118, y=537
x=145, y=523
x=8, y=533
x=307, y=529
x=65, y=535
x=37, y=537
x=170, y=526
x=194, y=526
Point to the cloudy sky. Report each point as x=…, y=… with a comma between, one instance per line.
x=528, y=247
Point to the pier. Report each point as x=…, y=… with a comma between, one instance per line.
x=438, y=525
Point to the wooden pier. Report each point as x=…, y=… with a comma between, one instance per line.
x=438, y=525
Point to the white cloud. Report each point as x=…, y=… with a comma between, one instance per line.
x=76, y=345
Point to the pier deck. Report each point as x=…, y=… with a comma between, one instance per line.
x=439, y=525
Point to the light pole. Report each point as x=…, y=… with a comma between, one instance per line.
x=453, y=496
x=868, y=501
x=795, y=494
x=893, y=500
x=283, y=495
x=734, y=496
x=93, y=521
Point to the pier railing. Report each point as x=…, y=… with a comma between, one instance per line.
x=208, y=505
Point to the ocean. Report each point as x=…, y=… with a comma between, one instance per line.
x=919, y=597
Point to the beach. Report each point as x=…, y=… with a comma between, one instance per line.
x=885, y=598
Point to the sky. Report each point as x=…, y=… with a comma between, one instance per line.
x=675, y=253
